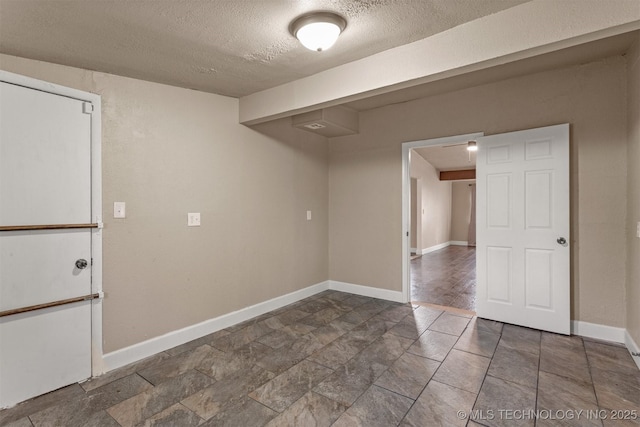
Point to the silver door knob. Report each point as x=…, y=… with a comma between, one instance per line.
x=562, y=241
x=82, y=264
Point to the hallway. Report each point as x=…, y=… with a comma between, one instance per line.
x=445, y=277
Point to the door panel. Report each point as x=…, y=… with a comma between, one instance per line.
x=539, y=278
x=44, y=350
x=45, y=166
x=522, y=210
x=499, y=267
x=34, y=269
x=45, y=178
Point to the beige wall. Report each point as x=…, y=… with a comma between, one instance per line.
x=460, y=211
x=436, y=203
x=633, y=194
x=590, y=97
x=167, y=151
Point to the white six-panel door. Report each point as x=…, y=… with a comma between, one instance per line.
x=45, y=179
x=523, y=228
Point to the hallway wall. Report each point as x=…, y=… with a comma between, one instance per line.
x=435, y=215
x=633, y=195
x=460, y=211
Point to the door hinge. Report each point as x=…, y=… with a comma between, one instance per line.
x=87, y=107
x=91, y=261
x=407, y=234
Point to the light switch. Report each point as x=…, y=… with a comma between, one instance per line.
x=193, y=219
x=638, y=230
x=308, y=215
x=119, y=210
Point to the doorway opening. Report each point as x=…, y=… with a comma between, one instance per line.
x=439, y=214
x=523, y=268
x=445, y=274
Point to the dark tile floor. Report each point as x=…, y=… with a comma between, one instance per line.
x=445, y=277
x=345, y=360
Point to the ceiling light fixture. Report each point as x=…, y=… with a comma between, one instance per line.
x=318, y=30
x=472, y=146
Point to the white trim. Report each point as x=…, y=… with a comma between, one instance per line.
x=96, y=198
x=435, y=248
x=169, y=340
x=440, y=246
x=406, y=198
x=366, y=291
x=601, y=332
x=607, y=333
x=414, y=250
x=633, y=348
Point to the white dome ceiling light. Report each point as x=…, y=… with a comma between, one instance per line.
x=318, y=30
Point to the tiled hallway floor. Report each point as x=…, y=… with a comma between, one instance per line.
x=445, y=277
x=345, y=360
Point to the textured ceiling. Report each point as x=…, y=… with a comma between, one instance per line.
x=229, y=47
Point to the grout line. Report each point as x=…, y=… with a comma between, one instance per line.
x=593, y=385
x=535, y=406
x=486, y=374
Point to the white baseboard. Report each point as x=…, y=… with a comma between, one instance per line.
x=600, y=332
x=607, y=333
x=633, y=348
x=169, y=340
x=435, y=248
x=440, y=246
x=413, y=250
x=366, y=291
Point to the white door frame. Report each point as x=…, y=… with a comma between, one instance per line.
x=406, y=198
x=97, y=365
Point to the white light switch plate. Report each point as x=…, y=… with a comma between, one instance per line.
x=119, y=210
x=638, y=230
x=308, y=215
x=193, y=219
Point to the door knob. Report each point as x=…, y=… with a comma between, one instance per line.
x=562, y=241
x=82, y=264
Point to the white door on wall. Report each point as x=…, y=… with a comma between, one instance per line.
x=523, y=240
x=45, y=242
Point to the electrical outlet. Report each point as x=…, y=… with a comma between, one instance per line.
x=193, y=219
x=119, y=210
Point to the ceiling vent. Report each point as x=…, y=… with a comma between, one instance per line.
x=329, y=122
x=315, y=126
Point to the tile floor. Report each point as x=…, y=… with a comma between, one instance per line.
x=445, y=277
x=345, y=360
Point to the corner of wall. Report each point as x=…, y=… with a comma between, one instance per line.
x=632, y=288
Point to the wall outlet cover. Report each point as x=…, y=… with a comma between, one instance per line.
x=119, y=210
x=193, y=219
